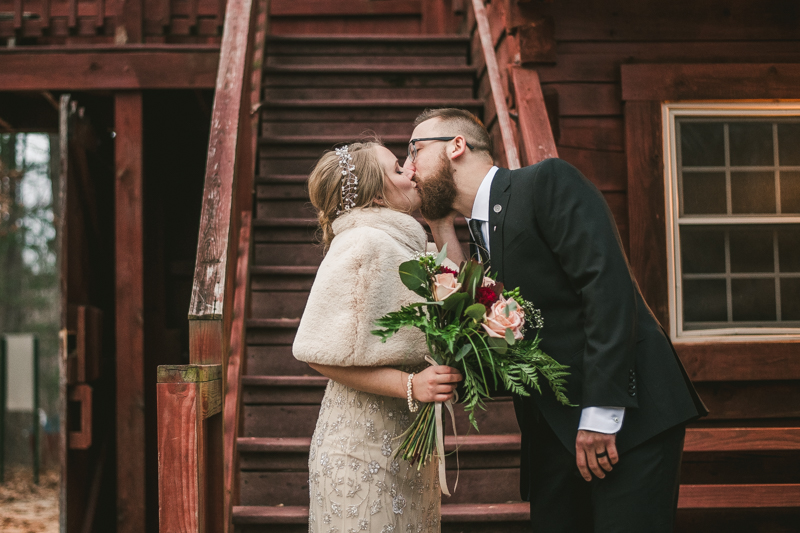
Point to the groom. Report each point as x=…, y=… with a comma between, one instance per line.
x=613, y=463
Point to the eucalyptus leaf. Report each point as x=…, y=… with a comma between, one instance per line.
x=510, y=337
x=498, y=345
x=413, y=275
x=476, y=311
x=463, y=351
x=442, y=255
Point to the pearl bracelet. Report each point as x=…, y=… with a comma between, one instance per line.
x=413, y=405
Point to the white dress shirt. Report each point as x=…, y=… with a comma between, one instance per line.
x=599, y=419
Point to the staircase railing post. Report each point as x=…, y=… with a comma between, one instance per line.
x=189, y=402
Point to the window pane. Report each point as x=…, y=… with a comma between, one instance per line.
x=705, y=300
x=790, y=192
x=751, y=144
x=753, y=299
x=702, y=144
x=704, y=193
x=702, y=250
x=789, y=144
x=753, y=192
x=752, y=250
x=789, y=249
x=790, y=298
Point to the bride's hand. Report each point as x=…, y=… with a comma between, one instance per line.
x=435, y=384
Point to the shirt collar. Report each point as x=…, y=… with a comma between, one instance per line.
x=480, y=207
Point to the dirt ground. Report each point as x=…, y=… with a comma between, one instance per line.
x=28, y=508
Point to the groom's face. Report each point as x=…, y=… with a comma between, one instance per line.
x=433, y=173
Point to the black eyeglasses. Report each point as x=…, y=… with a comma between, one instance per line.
x=412, y=145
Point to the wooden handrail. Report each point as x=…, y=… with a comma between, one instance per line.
x=197, y=481
x=536, y=141
x=498, y=94
x=231, y=400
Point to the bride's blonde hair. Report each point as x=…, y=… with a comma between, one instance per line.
x=325, y=184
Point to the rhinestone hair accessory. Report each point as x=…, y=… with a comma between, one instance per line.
x=349, y=180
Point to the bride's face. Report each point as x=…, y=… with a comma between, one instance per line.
x=401, y=191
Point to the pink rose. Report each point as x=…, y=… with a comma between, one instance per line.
x=444, y=285
x=496, y=322
x=488, y=282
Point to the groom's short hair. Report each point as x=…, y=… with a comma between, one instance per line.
x=459, y=122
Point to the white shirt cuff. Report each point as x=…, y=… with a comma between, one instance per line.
x=602, y=419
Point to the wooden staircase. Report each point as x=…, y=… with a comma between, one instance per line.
x=317, y=91
x=323, y=85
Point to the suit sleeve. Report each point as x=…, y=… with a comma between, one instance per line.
x=579, y=227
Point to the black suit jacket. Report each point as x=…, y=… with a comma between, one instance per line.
x=553, y=235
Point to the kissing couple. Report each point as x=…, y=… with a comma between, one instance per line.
x=609, y=464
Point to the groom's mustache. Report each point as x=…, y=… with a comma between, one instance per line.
x=438, y=191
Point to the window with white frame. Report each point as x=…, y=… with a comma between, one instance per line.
x=733, y=206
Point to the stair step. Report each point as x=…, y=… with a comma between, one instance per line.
x=283, y=270
x=373, y=103
x=299, y=420
x=352, y=118
x=325, y=82
x=291, y=488
x=295, y=40
x=451, y=513
x=275, y=360
x=467, y=443
x=325, y=140
x=368, y=69
x=379, y=50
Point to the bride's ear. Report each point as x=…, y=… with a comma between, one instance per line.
x=379, y=201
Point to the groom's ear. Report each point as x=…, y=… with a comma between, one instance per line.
x=457, y=147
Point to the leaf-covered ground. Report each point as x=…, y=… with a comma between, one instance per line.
x=29, y=508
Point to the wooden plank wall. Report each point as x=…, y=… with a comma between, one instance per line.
x=578, y=46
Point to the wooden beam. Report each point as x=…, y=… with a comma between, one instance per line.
x=646, y=211
x=741, y=439
x=738, y=81
x=738, y=496
x=534, y=126
x=129, y=277
x=130, y=21
x=114, y=69
x=740, y=361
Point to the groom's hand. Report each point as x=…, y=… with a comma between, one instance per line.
x=588, y=446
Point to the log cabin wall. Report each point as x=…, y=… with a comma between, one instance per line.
x=606, y=68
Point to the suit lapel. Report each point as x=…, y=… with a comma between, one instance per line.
x=498, y=203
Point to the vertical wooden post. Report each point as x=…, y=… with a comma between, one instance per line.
x=3, y=379
x=189, y=403
x=37, y=428
x=130, y=15
x=129, y=314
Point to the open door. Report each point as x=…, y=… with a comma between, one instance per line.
x=86, y=253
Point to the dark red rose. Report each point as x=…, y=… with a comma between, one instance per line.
x=486, y=296
x=444, y=270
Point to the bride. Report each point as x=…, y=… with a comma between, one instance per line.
x=363, y=198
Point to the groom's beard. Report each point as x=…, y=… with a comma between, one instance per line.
x=438, y=191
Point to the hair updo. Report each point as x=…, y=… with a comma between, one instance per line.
x=325, y=184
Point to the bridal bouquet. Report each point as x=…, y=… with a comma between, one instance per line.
x=472, y=324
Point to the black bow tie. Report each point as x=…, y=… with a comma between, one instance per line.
x=480, y=244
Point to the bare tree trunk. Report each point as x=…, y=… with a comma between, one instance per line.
x=10, y=238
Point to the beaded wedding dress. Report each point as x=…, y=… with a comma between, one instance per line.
x=355, y=483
